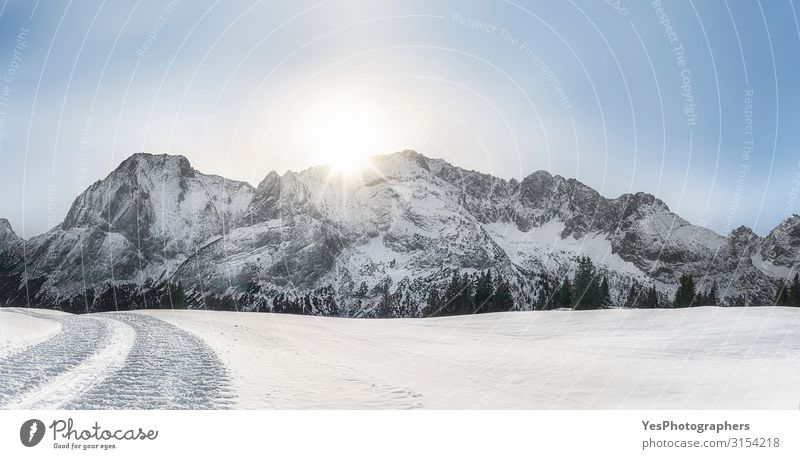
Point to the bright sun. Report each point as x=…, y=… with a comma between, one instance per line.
x=344, y=131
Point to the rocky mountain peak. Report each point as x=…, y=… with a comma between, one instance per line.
x=742, y=232
x=269, y=180
x=640, y=199
x=787, y=231
x=144, y=185
x=7, y=235
x=539, y=186
x=135, y=225
x=791, y=221
x=149, y=163
x=781, y=246
x=5, y=226
x=408, y=155
x=401, y=164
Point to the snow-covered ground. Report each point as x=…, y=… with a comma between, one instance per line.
x=19, y=331
x=686, y=358
x=107, y=361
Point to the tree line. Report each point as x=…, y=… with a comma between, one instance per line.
x=462, y=293
x=480, y=292
x=789, y=293
x=587, y=290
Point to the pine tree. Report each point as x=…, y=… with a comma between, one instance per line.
x=178, y=296
x=783, y=296
x=503, y=299
x=584, y=287
x=605, y=294
x=385, y=307
x=593, y=296
x=543, y=299
x=700, y=299
x=652, y=298
x=433, y=300
x=794, y=291
x=408, y=307
x=466, y=303
x=711, y=295
x=452, y=295
x=634, y=300
x=484, y=291
x=564, y=294
x=685, y=295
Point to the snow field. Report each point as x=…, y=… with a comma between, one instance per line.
x=702, y=358
x=19, y=331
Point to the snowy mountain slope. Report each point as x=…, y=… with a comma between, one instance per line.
x=133, y=227
x=412, y=219
x=639, y=228
x=404, y=224
x=311, y=229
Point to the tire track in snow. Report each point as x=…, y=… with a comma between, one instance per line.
x=74, y=382
x=167, y=368
x=79, y=339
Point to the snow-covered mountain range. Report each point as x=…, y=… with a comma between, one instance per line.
x=407, y=221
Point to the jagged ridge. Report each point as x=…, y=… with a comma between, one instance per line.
x=155, y=222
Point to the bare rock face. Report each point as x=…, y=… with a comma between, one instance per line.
x=406, y=222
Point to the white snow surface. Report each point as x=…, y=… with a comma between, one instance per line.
x=18, y=331
x=696, y=358
x=700, y=358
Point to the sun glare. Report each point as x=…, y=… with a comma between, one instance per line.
x=344, y=131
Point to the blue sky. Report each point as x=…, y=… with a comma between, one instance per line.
x=702, y=113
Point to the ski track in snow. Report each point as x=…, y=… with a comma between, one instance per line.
x=114, y=361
